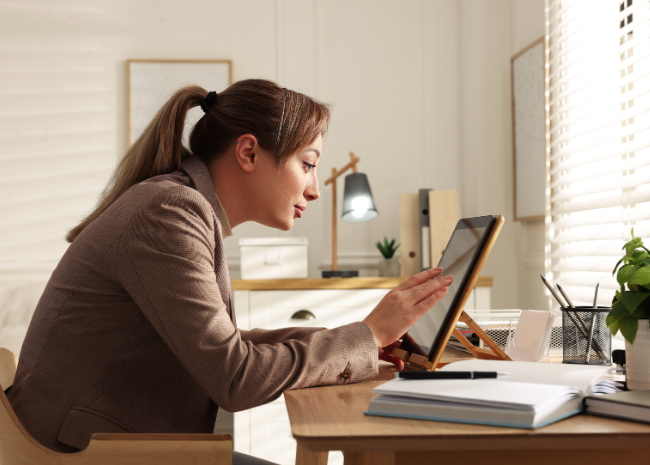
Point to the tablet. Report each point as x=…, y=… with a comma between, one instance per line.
x=466, y=251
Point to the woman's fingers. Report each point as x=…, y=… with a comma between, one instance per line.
x=410, y=345
x=430, y=301
x=419, y=278
x=424, y=290
x=402, y=306
x=392, y=359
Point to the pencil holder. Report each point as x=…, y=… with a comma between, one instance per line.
x=585, y=336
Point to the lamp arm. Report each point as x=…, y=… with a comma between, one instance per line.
x=353, y=164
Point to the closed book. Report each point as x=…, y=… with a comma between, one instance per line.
x=629, y=405
x=534, y=395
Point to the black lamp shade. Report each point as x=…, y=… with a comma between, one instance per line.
x=358, y=204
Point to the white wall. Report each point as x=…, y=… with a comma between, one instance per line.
x=528, y=26
x=420, y=91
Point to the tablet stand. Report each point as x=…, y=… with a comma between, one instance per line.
x=420, y=362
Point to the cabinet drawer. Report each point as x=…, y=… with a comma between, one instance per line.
x=329, y=308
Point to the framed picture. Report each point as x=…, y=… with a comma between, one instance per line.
x=528, y=132
x=150, y=83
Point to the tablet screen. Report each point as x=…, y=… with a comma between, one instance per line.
x=461, y=252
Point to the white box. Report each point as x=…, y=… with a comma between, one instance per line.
x=273, y=257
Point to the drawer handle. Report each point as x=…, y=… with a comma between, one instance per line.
x=303, y=315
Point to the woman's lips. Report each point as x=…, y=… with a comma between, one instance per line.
x=299, y=209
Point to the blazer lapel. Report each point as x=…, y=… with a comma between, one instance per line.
x=200, y=176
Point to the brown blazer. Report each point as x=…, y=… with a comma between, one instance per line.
x=135, y=331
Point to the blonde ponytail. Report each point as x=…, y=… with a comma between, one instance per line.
x=159, y=150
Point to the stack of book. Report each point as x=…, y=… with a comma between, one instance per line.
x=531, y=396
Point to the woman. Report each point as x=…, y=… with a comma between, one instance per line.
x=135, y=331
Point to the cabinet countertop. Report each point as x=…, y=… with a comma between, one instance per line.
x=329, y=283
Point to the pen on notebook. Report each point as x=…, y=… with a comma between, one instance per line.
x=450, y=374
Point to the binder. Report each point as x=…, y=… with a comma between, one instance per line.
x=409, y=233
x=443, y=216
x=425, y=230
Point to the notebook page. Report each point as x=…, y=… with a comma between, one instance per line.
x=583, y=377
x=481, y=392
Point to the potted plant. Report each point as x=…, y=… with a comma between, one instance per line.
x=389, y=265
x=630, y=311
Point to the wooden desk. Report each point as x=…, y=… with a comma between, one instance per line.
x=331, y=418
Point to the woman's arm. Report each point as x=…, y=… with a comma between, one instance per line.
x=167, y=265
x=274, y=336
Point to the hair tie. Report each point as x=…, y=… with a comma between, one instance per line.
x=206, y=104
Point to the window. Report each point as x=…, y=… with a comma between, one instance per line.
x=598, y=139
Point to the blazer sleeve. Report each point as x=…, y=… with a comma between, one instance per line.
x=274, y=336
x=166, y=263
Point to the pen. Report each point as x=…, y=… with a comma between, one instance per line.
x=553, y=293
x=450, y=374
x=565, y=296
x=582, y=326
x=591, y=331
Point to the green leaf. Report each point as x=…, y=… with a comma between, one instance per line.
x=628, y=326
x=625, y=273
x=642, y=313
x=619, y=310
x=639, y=255
x=612, y=319
x=641, y=276
x=631, y=246
x=631, y=300
x=617, y=298
x=624, y=259
x=613, y=327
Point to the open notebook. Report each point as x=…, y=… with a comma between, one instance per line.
x=534, y=395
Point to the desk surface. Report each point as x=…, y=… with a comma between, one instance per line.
x=330, y=283
x=332, y=418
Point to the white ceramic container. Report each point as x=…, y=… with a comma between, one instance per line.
x=637, y=359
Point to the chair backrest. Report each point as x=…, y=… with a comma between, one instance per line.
x=17, y=446
x=8, y=364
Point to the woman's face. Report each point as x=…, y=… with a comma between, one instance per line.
x=288, y=188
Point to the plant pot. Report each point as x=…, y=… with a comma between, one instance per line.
x=389, y=267
x=637, y=359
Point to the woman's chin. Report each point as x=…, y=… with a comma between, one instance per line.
x=282, y=225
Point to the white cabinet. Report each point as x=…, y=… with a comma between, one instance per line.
x=265, y=431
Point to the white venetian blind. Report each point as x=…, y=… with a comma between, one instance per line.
x=57, y=124
x=599, y=123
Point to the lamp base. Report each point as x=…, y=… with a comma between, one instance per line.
x=340, y=274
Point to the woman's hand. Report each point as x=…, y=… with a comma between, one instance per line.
x=407, y=343
x=402, y=306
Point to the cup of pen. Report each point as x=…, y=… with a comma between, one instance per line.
x=586, y=338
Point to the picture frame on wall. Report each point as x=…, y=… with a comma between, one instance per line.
x=150, y=83
x=529, y=132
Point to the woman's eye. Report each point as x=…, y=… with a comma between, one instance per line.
x=309, y=166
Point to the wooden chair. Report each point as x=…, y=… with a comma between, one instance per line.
x=18, y=447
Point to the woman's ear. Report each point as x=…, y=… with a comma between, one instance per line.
x=245, y=148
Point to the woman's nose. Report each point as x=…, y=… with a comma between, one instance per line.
x=312, y=192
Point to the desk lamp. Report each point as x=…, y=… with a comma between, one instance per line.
x=358, y=206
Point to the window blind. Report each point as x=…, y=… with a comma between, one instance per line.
x=598, y=139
